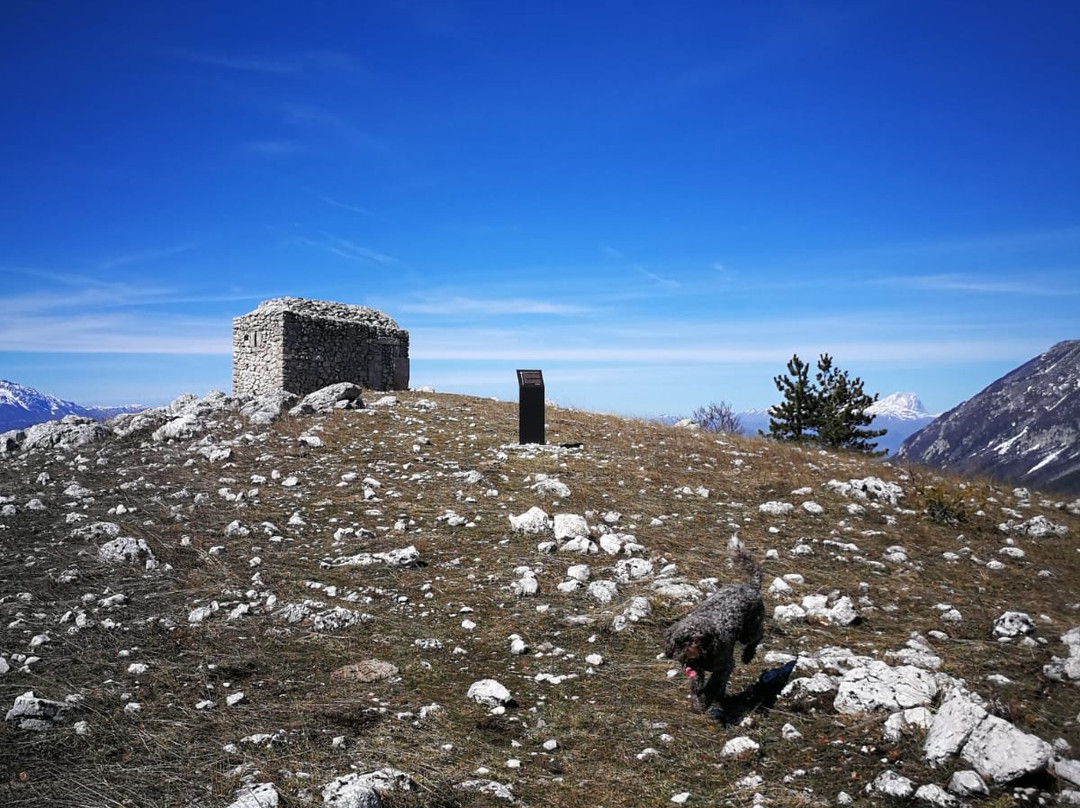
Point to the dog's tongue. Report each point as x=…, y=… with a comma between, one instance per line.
x=691, y=673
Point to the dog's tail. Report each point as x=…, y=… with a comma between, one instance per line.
x=743, y=560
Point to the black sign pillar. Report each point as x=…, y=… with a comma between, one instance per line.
x=530, y=406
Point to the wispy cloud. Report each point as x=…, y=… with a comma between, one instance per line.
x=343, y=248
x=667, y=283
x=330, y=124
x=346, y=206
x=115, y=333
x=978, y=285
x=458, y=305
x=274, y=148
x=610, y=252
x=144, y=256
x=79, y=314
x=286, y=65
x=238, y=63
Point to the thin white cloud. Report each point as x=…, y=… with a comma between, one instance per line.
x=144, y=256
x=115, y=333
x=330, y=124
x=667, y=283
x=611, y=252
x=343, y=248
x=458, y=305
x=275, y=148
x=978, y=285
x=238, y=63
x=346, y=206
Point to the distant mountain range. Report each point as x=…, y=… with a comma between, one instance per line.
x=22, y=406
x=1022, y=429
x=902, y=414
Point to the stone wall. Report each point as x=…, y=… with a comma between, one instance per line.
x=302, y=345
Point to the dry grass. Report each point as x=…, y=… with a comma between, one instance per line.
x=170, y=753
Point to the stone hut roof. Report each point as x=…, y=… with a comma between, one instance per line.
x=324, y=309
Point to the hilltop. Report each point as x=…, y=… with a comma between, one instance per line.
x=251, y=603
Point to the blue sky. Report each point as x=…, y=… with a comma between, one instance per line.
x=656, y=203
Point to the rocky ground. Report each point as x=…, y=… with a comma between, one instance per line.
x=356, y=601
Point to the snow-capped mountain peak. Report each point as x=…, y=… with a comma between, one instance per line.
x=21, y=397
x=22, y=406
x=903, y=406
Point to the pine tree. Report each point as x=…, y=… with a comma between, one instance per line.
x=830, y=411
x=842, y=415
x=795, y=417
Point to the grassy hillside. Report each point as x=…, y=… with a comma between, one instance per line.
x=238, y=545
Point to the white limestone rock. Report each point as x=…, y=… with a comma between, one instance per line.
x=70, y=432
x=740, y=747
x=933, y=794
x=489, y=692
x=128, y=550
x=603, y=591
x=179, y=428
x=773, y=508
x=637, y=610
x=891, y=784
x=534, y=520
x=867, y=488
x=362, y=790
x=951, y=727
x=342, y=395
x=30, y=712
x=1000, y=752
x=632, y=569
x=499, y=791
x=266, y=407
x=553, y=487
x=879, y=686
x=788, y=614
x=967, y=783
x=1011, y=625
x=570, y=526
x=260, y=795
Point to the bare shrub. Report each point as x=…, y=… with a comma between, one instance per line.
x=717, y=417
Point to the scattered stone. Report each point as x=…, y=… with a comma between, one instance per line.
x=30, y=712
x=879, y=686
x=489, y=693
x=967, y=783
x=127, y=550
x=369, y=670
x=1014, y=624
x=891, y=784
x=534, y=520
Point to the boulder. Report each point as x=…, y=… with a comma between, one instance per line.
x=127, y=550
x=951, y=727
x=878, y=686
x=534, y=520
x=343, y=395
x=264, y=408
x=30, y=712
x=489, y=692
x=71, y=432
x=1000, y=752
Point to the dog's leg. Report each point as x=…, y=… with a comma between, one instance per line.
x=716, y=687
x=748, y=653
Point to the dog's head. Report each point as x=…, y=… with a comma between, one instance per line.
x=692, y=650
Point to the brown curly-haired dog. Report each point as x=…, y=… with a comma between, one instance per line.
x=704, y=640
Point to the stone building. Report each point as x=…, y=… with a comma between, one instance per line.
x=300, y=345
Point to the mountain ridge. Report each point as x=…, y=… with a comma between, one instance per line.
x=22, y=406
x=1023, y=428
